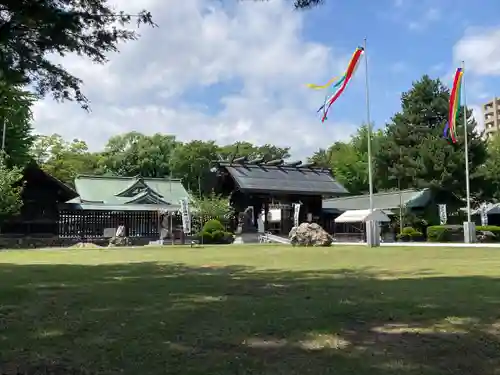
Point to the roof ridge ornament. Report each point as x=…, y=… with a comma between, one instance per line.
x=275, y=162
x=240, y=160
x=137, y=184
x=308, y=165
x=293, y=163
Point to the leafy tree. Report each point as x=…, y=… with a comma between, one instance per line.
x=133, y=154
x=238, y=149
x=349, y=160
x=64, y=160
x=15, y=118
x=33, y=29
x=414, y=153
x=214, y=207
x=270, y=152
x=10, y=195
x=192, y=161
x=267, y=151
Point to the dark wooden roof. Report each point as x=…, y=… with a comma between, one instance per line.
x=33, y=173
x=283, y=179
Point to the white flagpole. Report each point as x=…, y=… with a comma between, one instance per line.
x=467, y=178
x=369, y=129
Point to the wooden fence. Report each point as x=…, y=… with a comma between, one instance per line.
x=92, y=224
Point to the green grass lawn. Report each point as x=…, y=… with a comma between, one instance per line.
x=266, y=310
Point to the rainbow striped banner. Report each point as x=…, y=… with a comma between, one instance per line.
x=455, y=98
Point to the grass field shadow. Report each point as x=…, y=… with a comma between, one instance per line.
x=173, y=319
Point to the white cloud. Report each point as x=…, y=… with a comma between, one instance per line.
x=198, y=43
x=480, y=49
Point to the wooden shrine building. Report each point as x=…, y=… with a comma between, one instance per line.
x=145, y=206
x=148, y=208
x=275, y=185
x=42, y=194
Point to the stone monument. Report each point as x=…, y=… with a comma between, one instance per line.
x=120, y=238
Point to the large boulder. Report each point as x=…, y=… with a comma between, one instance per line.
x=309, y=234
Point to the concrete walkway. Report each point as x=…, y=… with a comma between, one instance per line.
x=286, y=241
x=423, y=244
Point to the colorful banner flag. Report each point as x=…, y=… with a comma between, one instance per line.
x=454, y=107
x=339, y=85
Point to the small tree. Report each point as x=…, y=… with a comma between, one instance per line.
x=10, y=193
x=212, y=206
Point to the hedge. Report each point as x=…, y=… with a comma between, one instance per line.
x=410, y=234
x=213, y=233
x=455, y=233
x=212, y=226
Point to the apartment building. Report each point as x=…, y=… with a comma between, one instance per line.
x=491, y=113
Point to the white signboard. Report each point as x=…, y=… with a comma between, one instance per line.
x=443, y=216
x=296, y=211
x=186, y=216
x=484, y=215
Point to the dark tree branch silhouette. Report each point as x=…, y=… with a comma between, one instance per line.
x=33, y=30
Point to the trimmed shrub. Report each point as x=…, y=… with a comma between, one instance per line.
x=410, y=234
x=213, y=233
x=205, y=237
x=217, y=236
x=212, y=226
x=484, y=236
x=228, y=238
x=455, y=233
x=445, y=233
x=490, y=228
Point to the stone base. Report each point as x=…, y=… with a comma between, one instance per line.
x=34, y=242
x=158, y=243
x=246, y=238
x=469, y=232
x=372, y=234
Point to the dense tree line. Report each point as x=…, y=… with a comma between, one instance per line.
x=133, y=154
x=408, y=152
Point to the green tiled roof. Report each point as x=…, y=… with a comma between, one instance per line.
x=112, y=192
x=129, y=207
x=384, y=201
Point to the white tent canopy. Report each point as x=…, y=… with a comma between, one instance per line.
x=362, y=216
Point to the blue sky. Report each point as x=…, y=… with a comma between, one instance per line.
x=406, y=39
x=228, y=71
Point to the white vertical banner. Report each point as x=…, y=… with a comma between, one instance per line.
x=296, y=211
x=443, y=216
x=484, y=215
x=186, y=216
